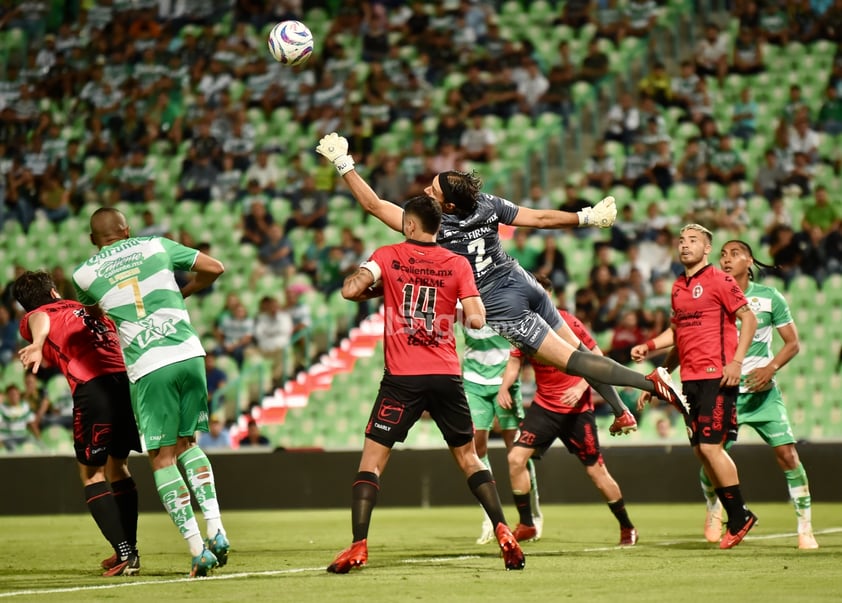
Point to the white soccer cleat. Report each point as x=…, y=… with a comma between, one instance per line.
x=538, y=522
x=713, y=522
x=487, y=534
x=807, y=541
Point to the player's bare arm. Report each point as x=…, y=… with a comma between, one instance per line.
x=758, y=379
x=32, y=354
x=659, y=342
x=601, y=215
x=357, y=286
x=207, y=270
x=335, y=149
x=473, y=312
x=732, y=371
x=510, y=375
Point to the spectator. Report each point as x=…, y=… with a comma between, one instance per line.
x=196, y=183
x=217, y=437
x=785, y=253
x=537, y=198
x=747, y=58
x=388, y=180
x=705, y=208
x=725, y=164
x=477, y=144
x=8, y=336
x=610, y=22
x=623, y=121
x=257, y=222
x=641, y=18
x=18, y=424
x=744, y=117
x=830, y=115
x=774, y=26
x=795, y=104
x=733, y=212
x=276, y=254
x=532, y=86
x=301, y=323
x=309, y=208
x=235, y=334
x=217, y=380
x=711, y=55
x=526, y=255
x=575, y=14
x=683, y=86
x=798, y=181
x=35, y=396
x=822, y=214
x=627, y=334
x=600, y=168
x=777, y=216
x=64, y=285
x=661, y=168
x=54, y=200
x=636, y=167
x=265, y=171
x=657, y=85
x=273, y=331
x=552, y=264
x=692, y=162
x=253, y=436
x=803, y=139
x=594, y=64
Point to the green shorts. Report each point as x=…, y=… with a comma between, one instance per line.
x=171, y=401
x=766, y=414
x=482, y=399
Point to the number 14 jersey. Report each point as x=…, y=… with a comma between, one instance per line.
x=421, y=284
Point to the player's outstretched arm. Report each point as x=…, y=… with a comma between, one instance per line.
x=601, y=215
x=334, y=148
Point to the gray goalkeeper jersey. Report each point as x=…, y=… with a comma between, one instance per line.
x=477, y=239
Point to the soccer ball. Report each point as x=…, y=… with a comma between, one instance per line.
x=291, y=42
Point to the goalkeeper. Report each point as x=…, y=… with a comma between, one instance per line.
x=517, y=307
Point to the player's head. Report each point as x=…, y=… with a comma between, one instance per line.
x=421, y=214
x=34, y=289
x=456, y=191
x=694, y=244
x=737, y=259
x=108, y=225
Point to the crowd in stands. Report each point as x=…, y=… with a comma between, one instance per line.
x=153, y=108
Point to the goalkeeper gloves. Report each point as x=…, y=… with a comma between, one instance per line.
x=601, y=215
x=335, y=149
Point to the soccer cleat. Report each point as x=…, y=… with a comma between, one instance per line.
x=524, y=533
x=203, y=563
x=487, y=534
x=355, y=555
x=512, y=555
x=538, y=522
x=666, y=390
x=219, y=546
x=124, y=567
x=625, y=423
x=807, y=541
x=628, y=536
x=107, y=564
x=730, y=540
x=713, y=523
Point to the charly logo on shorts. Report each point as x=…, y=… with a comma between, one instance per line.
x=390, y=411
x=697, y=291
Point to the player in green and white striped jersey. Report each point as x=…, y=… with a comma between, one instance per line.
x=759, y=403
x=483, y=362
x=132, y=279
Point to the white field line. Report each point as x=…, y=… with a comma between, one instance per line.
x=115, y=585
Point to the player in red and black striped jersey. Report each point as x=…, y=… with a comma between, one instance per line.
x=420, y=283
x=562, y=408
x=85, y=348
x=706, y=303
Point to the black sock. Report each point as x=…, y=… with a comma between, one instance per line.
x=484, y=489
x=618, y=508
x=125, y=495
x=524, y=508
x=602, y=369
x=735, y=506
x=104, y=511
x=363, y=499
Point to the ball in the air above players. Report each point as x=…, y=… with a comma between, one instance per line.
x=290, y=42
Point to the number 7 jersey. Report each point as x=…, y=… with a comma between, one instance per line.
x=133, y=281
x=421, y=285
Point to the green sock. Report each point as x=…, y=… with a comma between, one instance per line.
x=799, y=492
x=533, y=489
x=707, y=489
x=175, y=496
x=199, y=474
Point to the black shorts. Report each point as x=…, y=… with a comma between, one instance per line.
x=713, y=412
x=577, y=431
x=402, y=399
x=103, y=421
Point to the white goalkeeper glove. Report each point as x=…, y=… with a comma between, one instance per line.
x=601, y=215
x=335, y=149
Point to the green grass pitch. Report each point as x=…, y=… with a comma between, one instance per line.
x=429, y=555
